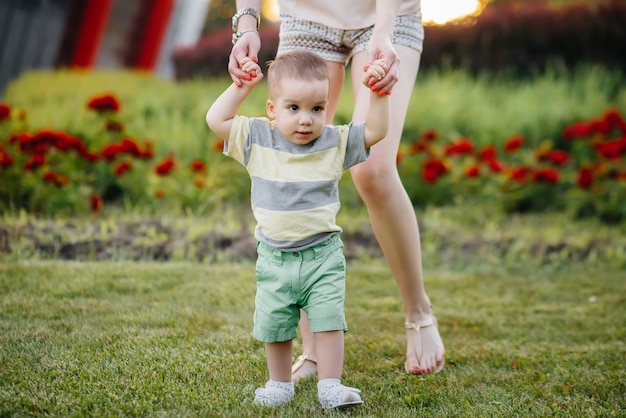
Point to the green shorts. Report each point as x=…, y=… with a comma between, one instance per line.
x=313, y=280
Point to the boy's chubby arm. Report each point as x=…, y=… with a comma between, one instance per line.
x=220, y=116
x=377, y=118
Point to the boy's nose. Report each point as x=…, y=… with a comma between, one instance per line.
x=305, y=119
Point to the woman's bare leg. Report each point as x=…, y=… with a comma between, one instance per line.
x=391, y=212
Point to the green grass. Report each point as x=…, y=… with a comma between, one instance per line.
x=148, y=339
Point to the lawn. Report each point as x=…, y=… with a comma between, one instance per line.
x=94, y=322
x=173, y=339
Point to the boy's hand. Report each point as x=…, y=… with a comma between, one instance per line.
x=252, y=70
x=247, y=46
x=373, y=73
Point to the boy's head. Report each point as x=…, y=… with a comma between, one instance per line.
x=298, y=65
x=298, y=84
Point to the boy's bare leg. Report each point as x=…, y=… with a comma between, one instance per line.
x=331, y=393
x=279, y=360
x=329, y=350
x=279, y=389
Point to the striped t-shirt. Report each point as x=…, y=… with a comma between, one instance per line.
x=295, y=193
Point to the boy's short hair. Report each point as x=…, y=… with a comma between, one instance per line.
x=301, y=65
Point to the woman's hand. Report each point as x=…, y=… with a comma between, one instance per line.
x=380, y=47
x=246, y=47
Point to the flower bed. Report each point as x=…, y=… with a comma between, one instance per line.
x=583, y=172
x=136, y=143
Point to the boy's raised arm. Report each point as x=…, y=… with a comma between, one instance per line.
x=377, y=118
x=220, y=116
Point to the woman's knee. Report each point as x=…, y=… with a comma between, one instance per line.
x=374, y=181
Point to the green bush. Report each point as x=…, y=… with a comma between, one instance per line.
x=74, y=142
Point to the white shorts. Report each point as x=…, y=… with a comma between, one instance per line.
x=340, y=45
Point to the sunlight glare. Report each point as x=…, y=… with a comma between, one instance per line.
x=270, y=10
x=435, y=12
x=441, y=11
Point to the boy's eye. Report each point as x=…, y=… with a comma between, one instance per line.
x=292, y=107
x=318, y=109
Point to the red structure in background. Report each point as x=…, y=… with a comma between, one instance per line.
x=90, y=34
x=88, y=23
x=95, y=16
x=156, y=15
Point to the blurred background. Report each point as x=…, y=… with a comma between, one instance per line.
x=518, y=107
x=182, y=39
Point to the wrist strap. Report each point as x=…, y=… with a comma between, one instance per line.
x=237, y=35
x=245, y=11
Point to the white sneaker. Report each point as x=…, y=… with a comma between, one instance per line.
x=332, y=394
x=274, y=393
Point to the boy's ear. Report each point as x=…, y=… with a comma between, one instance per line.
x=269, y=108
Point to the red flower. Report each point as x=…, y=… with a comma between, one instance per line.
x=125, y=146
x=55, y=178
x=76, y=144
x=584, y=179
x=614, y=119
x=513, y=143
x=520, y=174
x=600, y=126
x=130, y=147
x=495, y=165
x=398, y=158
x=555, y=156
x=5, y=158
x=546, y=175
x=577, y=130
x=165, y=167
x=95, y=203
x=460, y=147
x=35, y=162
x=612, y=149
x=5, y=111
x=109, y=152
x=44, y=140
x=104, y=103
x=197, y=166
x=472, y=171
x=417, y=147
x=429, y=135
x=122, y=168
x=219, y=145
x=433, y=169
x=488, y=153
x=34, y=144
x=90, y=156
